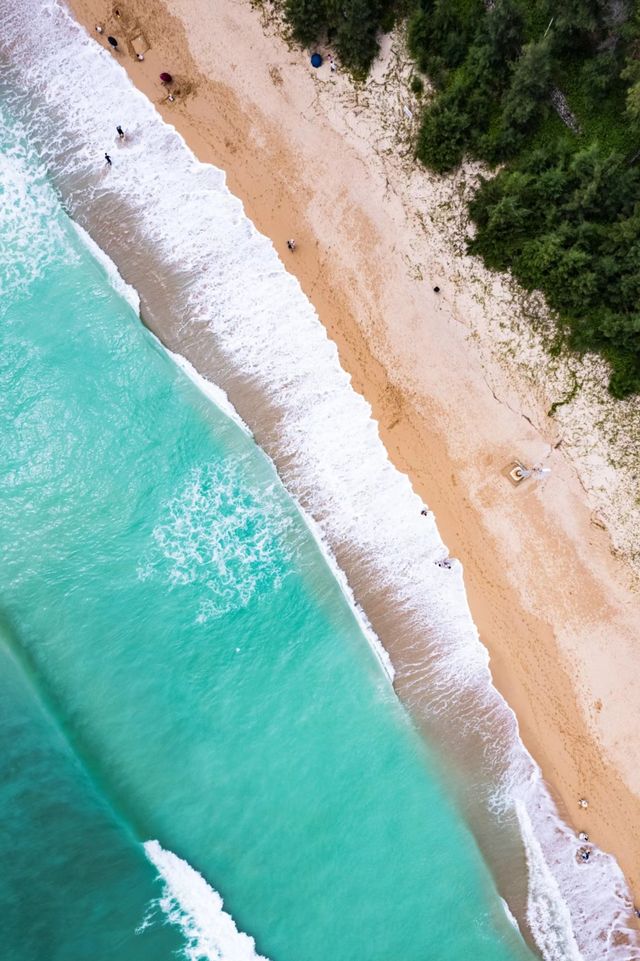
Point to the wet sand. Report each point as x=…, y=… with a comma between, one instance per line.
x=556, y=609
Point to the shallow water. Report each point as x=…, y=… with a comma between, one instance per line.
x=206, y=682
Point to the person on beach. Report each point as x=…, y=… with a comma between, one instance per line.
x=332, y=63
x=291, y=244
x=139, y=56
x=107, y=159
x=120, y=132
x=99, y=28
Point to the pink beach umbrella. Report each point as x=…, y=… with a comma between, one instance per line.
x=166, y=78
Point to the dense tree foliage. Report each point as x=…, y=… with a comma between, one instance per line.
x=352, y=25
x=569, y=221
x=550, y=90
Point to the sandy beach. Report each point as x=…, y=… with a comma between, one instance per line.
x=456, y=379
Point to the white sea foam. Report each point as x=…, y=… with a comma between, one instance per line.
x=548, y=914
x=210, y=390
x=237, y=296
x=126, y=291
x=221, y=400
x=28, y=215
x=510, y=917
x=224, y=536
x=188, y=902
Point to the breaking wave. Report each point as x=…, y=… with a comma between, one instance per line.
x=188, y=902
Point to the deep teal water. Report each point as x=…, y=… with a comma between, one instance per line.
x=74, y=884
x=204, y=680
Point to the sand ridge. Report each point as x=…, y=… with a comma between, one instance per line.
x=556, y=609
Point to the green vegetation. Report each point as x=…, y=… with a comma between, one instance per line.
x=352, y=25
x=550, y=90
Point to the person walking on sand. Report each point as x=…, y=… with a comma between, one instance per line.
x=291, y=244
x=107, y=159
x=120, y=132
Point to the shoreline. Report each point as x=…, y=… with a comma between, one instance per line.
x=541, y=685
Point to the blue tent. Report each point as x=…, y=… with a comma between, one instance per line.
x=316, y=60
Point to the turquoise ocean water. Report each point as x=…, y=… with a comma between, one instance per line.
x=178, y=662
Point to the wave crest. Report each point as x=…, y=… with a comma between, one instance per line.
x=188, y=902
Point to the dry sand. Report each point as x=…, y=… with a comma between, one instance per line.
x=458, y=381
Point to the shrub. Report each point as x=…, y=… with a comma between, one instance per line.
x=530, y=83
x=308, y=19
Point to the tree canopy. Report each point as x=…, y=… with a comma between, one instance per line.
x=550, y=91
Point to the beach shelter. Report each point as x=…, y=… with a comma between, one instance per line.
x=166, y=78
x=112, y=41
x=316, y=60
